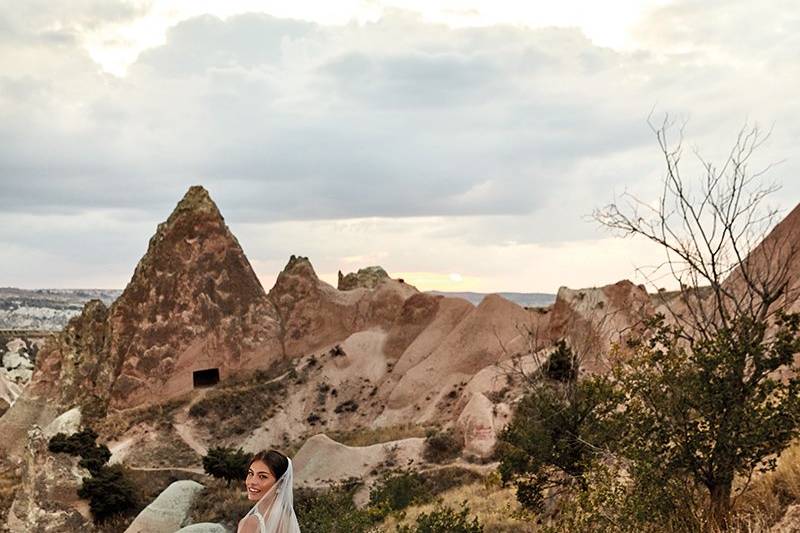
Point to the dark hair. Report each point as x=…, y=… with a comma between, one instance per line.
x=275, y=461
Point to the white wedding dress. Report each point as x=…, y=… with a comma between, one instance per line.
x=274, y=512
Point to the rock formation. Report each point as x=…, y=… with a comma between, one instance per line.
x=47, y=501
x=169, y=511
x=368, y=278
x=312, y=314
x=194, y=303
x=591, y=320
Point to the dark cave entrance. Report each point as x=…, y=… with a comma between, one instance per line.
x=205, y=378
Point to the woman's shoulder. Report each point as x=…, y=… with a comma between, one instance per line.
x=248, y=524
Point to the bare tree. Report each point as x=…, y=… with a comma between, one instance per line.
x=703, y=397
x=712, y=231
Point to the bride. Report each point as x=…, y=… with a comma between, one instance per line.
x=269, y=484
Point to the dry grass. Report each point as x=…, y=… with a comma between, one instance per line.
x=496, y=508
x=229, y=411
x=220, y=503
x=767, y=497
x=166, y=449
x=370, y=436
x=116, y=424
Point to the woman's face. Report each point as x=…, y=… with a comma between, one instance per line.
x=259, y=480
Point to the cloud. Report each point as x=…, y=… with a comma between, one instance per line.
x=481, y=135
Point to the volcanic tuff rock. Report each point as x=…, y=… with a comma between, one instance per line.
x=313, y=314
x=169, y=511
x=48, y=501
x=369, y=278
x=193, y=303
x=776, y=257
x=592, y=319
x=72, y=367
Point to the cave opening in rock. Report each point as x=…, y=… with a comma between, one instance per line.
x=205, y=378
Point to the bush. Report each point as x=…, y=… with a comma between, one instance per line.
x=93, y=456
x=109, y=493
x=332, y=510
x=220, y=503
x=442, y=446
x=398, y=490
x=562, y=364
x=444, y=519
x=226, y=463
x=555, y=436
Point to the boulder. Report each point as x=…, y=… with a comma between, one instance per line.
x=476, y=424
x=67, y=423
x=168, y=511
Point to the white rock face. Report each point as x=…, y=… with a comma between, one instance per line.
x=476, y=422
x=16, y=366
x=169, y=511
x=9, y=391
x=68, y=423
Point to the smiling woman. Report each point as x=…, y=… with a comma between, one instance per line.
x=269, y=484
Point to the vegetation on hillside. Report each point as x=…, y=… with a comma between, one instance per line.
x=703, y=398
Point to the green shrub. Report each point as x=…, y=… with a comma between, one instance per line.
x=109, y=492
x=226, y=463
x=332, y=510
x=220, y=503
x=562, y=364
x=398, y=490
x=395, y=491
x=93, y=456
x=444, y=519
x=554, y=437
x=442, y=446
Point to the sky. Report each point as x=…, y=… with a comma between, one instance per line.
x=462, y=145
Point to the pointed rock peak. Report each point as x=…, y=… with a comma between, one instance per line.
x=299, y=266
x=369, y=278
x=196, y=200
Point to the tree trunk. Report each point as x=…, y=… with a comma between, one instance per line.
x=720, y=505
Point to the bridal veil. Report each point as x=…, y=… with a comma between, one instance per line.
x=274, y=512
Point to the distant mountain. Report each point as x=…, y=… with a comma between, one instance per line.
x=525, y=299
x=46, y=309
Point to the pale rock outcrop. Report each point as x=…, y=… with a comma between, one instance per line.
x=492, y=332
x=67, y=423
x=47, y=501
x=16, y=362
x=169, y=510
x=321, y=460
x=591, y=320
x=368, y=278
x=476, y=424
